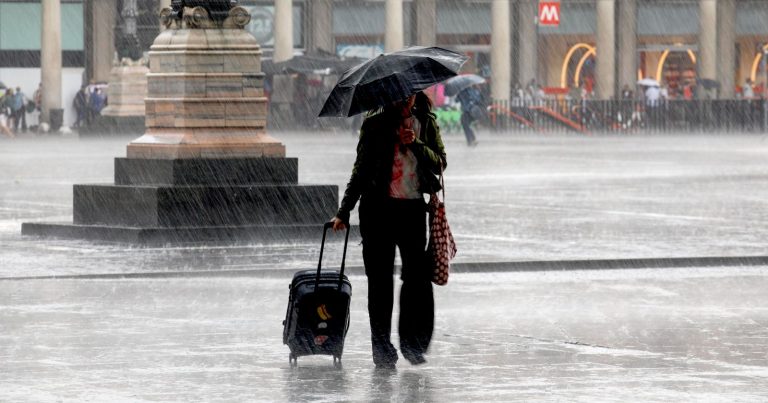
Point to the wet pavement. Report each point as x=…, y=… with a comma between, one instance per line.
x=667, y=334
x=512, y=198
x=616, y=336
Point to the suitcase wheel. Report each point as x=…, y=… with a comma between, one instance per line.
x=337, y=362
x=293, y=361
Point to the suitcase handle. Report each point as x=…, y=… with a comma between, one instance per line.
x=326, y=227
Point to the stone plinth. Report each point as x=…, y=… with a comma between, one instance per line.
x=205, y=169
x=126, y=94
x=160, y=201
x=205, y=97
x=127, y=90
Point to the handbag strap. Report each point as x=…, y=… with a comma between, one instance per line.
x=442, y=182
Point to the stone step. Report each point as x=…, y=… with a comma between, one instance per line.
x=190, y=172
x=159, y=236
x=203, y=206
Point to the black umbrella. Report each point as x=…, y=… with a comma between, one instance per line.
x=389, y=78
x=456, y=84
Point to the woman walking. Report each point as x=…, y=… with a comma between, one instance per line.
x=399, y=155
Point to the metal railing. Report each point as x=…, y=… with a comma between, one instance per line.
x=590, y=116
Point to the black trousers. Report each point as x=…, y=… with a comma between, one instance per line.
x=466, y=124
x=385, y=224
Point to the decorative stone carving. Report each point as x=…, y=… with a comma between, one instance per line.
x=205, y=14
x=238, y=18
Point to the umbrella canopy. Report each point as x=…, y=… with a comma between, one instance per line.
x=389, y=78
x=648, y=82
x=454, y=85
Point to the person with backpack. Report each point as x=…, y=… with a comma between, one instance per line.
x=19, y=111
x=471, y=101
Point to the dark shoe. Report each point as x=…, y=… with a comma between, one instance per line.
x=386, y=366
x=415, y=358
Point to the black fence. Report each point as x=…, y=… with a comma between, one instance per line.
x=630, y=116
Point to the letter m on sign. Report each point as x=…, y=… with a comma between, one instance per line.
x=549, y=13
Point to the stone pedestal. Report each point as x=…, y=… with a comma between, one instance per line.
x=205, y=170
x=127, y=90
x=126, y=94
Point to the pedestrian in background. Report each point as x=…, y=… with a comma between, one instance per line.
x=747, y=91
x=7, y=104
x=5, y=115
x=399, y=155
x=19, y=111
x=38, y=97
x=80, y=104
x=471, y=109
x=626, y=93
x=96, y=103
x=518, y=95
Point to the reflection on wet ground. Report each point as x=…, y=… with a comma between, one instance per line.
x=630, y=335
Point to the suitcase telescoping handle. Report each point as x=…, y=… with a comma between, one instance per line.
x=326, y=227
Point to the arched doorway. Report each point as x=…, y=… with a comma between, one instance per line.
x=579, y=66
x=674, y=67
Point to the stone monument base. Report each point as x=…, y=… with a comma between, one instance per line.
x=125, y=112
x=205, y=170
x=169, y=201
x=157, y=236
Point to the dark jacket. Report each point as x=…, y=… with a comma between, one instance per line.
x=468, y=98
x=372, y=172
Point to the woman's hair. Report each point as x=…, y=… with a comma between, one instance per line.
x=423, y=103
x=423, y=106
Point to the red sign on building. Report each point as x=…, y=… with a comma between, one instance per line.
x=549, y=13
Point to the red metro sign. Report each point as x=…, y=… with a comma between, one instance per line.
x=549, y=13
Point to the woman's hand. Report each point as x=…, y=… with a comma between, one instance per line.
x=338, y=224
x=407, y=136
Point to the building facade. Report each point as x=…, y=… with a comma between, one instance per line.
x=672, y=41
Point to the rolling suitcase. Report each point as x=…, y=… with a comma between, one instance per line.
x=317, y=318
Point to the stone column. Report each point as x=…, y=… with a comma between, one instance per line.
x=426, y=22
x=393, y=26
x=50, y=64
x=321, y=21
x=283, y=30
x=528, y=41
x=104, y=14
x=627, y=43
x=501, y=51
x=605, y=70
x=726, y=29
x=707, y=60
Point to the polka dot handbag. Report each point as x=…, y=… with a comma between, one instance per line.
x=441, y=248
